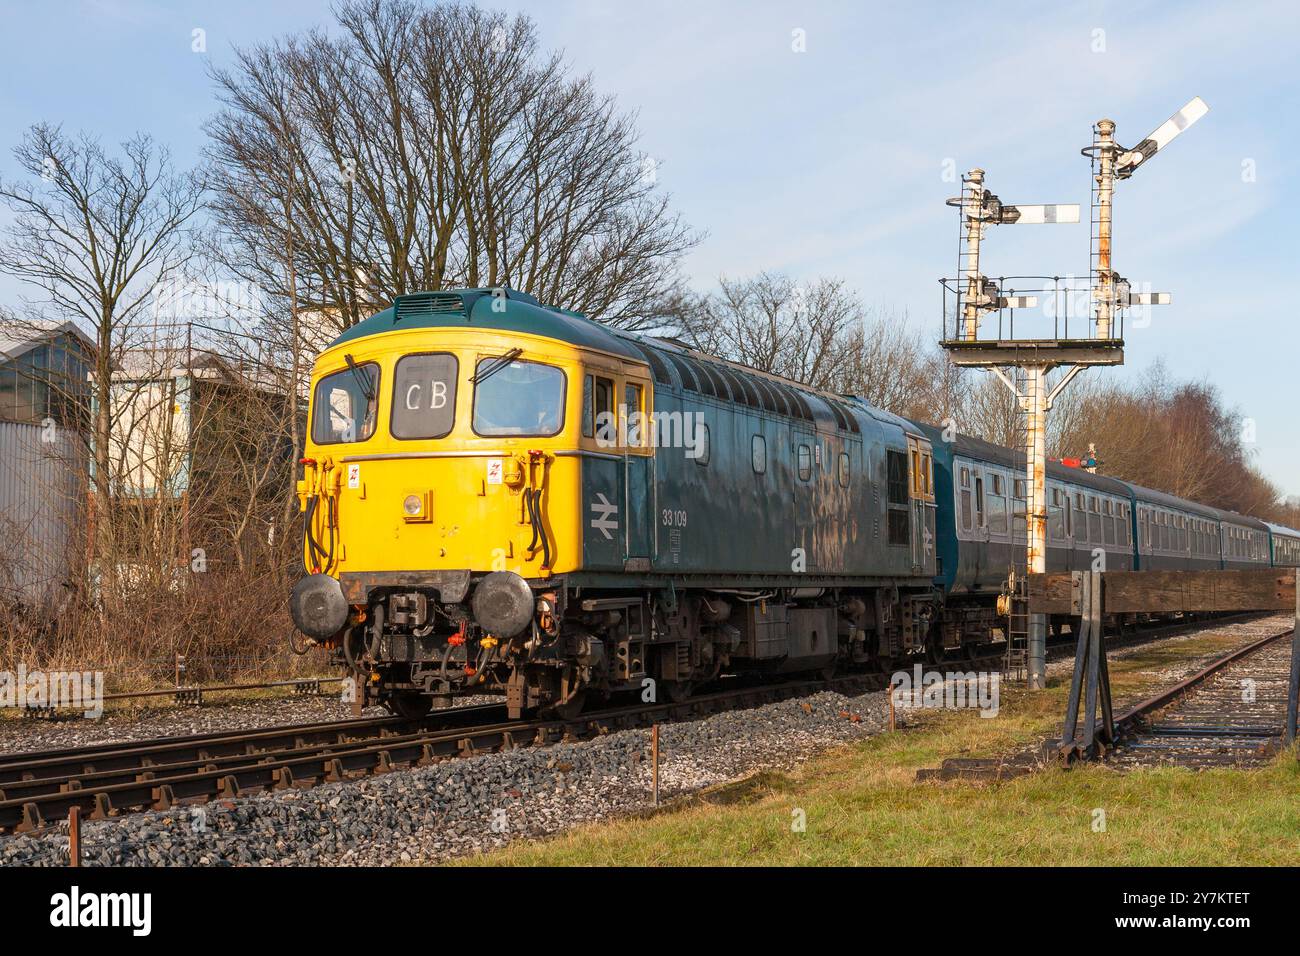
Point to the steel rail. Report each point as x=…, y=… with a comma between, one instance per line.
x=106, y=794
x=1133, y=715
x=139, y=756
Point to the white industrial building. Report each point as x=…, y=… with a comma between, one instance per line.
x=44, y=405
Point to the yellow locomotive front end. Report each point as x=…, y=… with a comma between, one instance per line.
x=441, y=492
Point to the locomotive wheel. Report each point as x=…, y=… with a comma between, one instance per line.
x=410, y=706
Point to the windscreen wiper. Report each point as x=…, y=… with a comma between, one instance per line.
x=496, y=366
x=367, y=388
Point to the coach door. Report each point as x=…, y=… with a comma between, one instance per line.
x=920, y=463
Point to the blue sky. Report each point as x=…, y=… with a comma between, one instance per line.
x=830, y=161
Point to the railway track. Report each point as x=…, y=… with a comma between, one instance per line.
x=39, y=789
x=104, y=780
x=1229, y=713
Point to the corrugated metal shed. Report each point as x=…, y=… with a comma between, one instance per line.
x=41, y=499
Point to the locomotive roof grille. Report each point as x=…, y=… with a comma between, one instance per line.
x=657, y=365
x=428, y=303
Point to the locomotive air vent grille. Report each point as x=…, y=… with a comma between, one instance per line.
x=429, y=303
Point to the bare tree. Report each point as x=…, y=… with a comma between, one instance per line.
x=771, y=323
x=426, y=147
x=96, y=233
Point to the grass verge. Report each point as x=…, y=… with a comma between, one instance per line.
x=861, y=805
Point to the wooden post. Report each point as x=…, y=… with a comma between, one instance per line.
x=1293, y=687
x=654, y=763
x=74, y=836
x=892, y=724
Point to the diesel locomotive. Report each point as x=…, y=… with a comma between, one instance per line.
x=504, y=497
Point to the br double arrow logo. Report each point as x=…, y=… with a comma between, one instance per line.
x=606, y=520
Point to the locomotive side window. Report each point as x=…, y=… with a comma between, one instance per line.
x=844, y=470
x=704, y=446
x=598, y=419
x=632, y=398
x=588, y=412
x=424, y=395
x=805, y=463
x=346, y=405
x=518, y=398
x=898, y=523
x=967, y=511
x=758, y=450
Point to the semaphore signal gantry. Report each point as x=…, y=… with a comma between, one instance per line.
x=1024, y=363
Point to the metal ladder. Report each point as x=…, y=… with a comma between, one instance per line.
x=1016, y=658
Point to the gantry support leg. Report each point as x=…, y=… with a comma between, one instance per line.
x=1090, y=685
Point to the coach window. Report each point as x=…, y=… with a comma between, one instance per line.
x=980, y=519
x=844, y=469
x=1056, y=517
x=998, y=506
x=1094, y=520
x=424, y=396
x=758, y=449
x=805, y=463
x=1108, y=522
